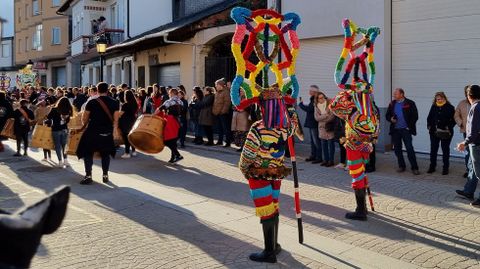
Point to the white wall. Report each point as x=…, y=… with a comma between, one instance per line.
x=148, y=14
x=324, y=18
x=437, y=53
x=78, y=15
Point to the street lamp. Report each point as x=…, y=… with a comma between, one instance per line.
x=101, y=49
x=29, y=64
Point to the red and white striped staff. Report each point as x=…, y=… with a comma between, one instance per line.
x=298, y=210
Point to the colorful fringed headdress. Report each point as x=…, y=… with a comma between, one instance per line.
x=368, y=40
x=359, y=93
x=263, y=27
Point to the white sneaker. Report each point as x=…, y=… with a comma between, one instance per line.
x=125, y=156
x=134, y=154
x=59, y=164
x=44, y=160
x=66, y=163
x=340, y=166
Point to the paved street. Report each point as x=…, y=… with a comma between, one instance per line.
x=198, y=214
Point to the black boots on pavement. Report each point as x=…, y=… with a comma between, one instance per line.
x=278, y=248
x=361, y=210
x=270, y=236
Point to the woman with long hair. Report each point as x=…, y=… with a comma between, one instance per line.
x=183, y=118
x=440, y=123
x=142, y=97
x=326, y=128
x=148, y=106
x=206, y=115
x=23, y=118
x=194, y=110
x=128, y=116
x=164, y=93
x=58, y=119
x=41, y=113
x=156, y=97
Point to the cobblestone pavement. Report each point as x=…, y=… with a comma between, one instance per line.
x=419, y=219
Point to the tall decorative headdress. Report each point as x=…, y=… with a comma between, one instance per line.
x=359, y=93
x=263, y=27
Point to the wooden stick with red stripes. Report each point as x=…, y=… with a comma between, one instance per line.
x=369, y=193
x=298, y=210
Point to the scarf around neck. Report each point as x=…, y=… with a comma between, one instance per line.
x=440, y=104
x=322, y=107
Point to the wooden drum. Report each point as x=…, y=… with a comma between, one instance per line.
x=73, y=141
x=74, y=137
x=147, y=134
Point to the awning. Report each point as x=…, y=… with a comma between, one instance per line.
x=134, y=41
x=64, y=7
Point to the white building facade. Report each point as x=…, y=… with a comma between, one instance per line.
x=84, y=65
x=425, y=46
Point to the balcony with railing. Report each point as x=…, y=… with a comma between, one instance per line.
x=85, y=43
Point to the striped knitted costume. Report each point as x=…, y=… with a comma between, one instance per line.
x=262, y=163
x=262, y=159
x=354, y=103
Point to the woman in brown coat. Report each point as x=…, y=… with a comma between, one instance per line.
x=326, y=127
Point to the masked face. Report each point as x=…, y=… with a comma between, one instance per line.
x=362, y=124
x=342, y=105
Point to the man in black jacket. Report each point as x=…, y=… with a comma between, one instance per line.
x=79, y=99
x=312, y=125
x=403, y=115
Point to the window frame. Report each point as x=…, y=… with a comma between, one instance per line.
x=37, y=41
x=59, y=35
x=6, y=45
x=37, y=4
x=56, y=5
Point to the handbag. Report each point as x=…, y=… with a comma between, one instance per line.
x=442, y=134
x=42, y=137
x=7, y=130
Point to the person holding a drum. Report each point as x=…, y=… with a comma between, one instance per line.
x=170, y=111
x=100, y=119
x=21, y=127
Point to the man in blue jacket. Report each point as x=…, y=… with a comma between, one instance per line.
x=472, y=141
x=402, y=113
x=312, y=125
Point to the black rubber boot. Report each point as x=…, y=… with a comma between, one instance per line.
x=278, y=248
x=361, y=210
x=268, y=254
